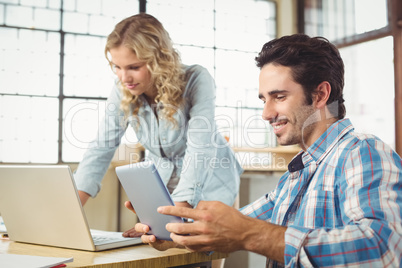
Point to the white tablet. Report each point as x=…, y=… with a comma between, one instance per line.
x=146, y=192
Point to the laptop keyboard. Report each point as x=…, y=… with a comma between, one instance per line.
x=105, y=239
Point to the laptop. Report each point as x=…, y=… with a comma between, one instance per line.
x=39, y=204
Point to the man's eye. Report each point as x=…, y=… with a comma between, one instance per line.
x=280, y=97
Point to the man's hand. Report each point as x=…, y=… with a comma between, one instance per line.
x=137, y=232
x=218, y=227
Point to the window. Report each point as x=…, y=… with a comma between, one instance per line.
x=362, y=31
x=55, y=79
x=225, y=36
x=337, y=19
x=51, y=61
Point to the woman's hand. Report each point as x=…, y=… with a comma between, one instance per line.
x=128, y=205
x=158, y=244
x=131, y=232
x=83, y=197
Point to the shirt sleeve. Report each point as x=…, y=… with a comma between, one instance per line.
x=262, y=208
x=99, y=154
x=200, y=147
x=370, y=203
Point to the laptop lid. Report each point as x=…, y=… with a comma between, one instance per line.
x=40, y=205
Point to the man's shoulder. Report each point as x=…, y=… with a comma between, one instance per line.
x=364, y=136
x=363, y=140
x=362, y=145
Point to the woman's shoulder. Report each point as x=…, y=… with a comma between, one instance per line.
x=198, y=80
x=115, y=93
x=194, y=69
x=195, y=73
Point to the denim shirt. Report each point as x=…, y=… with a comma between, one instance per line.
x=192, y=150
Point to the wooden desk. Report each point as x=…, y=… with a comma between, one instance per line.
x=142, y=256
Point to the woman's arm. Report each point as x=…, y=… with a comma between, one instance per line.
x=98, y=156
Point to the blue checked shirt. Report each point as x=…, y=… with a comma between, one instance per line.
x=341, y=202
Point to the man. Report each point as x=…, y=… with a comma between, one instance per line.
x=339, y=203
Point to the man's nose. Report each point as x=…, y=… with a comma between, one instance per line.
x=268, y=113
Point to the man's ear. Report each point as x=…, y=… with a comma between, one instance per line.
x=321, y=95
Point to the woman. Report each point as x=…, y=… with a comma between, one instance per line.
x=171, y=107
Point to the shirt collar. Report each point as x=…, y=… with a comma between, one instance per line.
x=296, y=163
x=145, y=108
x=322, y=146
x=327, y=141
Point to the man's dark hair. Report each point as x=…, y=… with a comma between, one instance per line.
x=312, y=60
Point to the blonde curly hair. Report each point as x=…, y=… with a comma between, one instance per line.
x=151, y=43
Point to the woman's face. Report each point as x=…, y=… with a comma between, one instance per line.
x=133, y=73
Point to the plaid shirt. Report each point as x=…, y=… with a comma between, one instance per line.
x=341, y=201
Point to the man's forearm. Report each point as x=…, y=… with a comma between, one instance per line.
x=266, y=239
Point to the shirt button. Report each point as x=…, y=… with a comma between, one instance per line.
x=198, y=184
